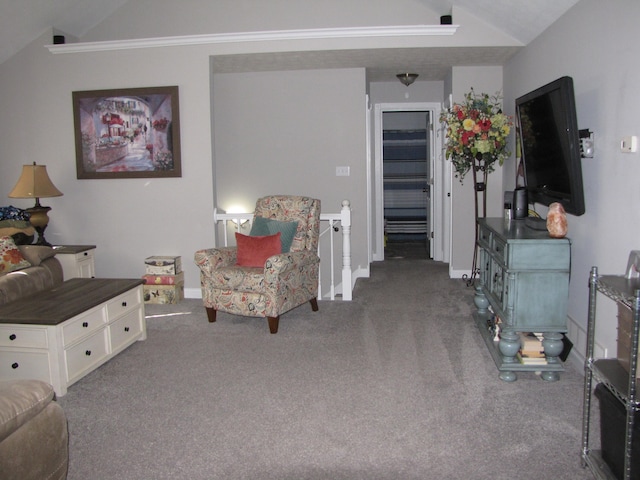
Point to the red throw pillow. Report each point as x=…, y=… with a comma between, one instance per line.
x=254, y=251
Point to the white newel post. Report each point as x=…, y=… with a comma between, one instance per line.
x=345, y=220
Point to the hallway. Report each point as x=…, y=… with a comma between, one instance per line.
x=406, y=250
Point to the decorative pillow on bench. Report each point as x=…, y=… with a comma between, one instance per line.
x=253, y=251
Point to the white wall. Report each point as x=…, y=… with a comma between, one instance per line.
x=131, y=219
x=482, y=80
x=285, y=133
x=127, y=219
x=595, y=43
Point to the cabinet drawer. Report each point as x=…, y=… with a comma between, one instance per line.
x=124, y=330
x=124, y=303
x=85, y=256
x=484, y=236
x=20, y=364
x=82, y=357
x=23, y=336
x=499, y=248
x=82, y=325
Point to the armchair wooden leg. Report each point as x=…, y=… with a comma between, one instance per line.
x=273, y=324
x=314, y=304
x=211, y=314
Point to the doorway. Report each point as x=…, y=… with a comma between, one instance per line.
x=410, y=205
x=405, y=180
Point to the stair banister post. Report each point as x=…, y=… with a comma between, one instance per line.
x=345, y=220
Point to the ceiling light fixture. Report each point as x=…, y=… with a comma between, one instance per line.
x=407, y=78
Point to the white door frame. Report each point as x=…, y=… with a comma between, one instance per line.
x=440, y=190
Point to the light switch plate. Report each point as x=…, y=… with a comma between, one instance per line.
x=629, y=144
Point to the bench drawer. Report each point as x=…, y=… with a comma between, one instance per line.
x=124, y=330
x=124, y=303
x=20, y=364
x=82, y=326
x=23, y=336
x=83, y=357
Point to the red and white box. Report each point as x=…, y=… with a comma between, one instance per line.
x=163, y=279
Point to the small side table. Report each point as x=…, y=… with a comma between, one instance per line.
x=77, y=260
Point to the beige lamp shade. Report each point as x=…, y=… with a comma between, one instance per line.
x=34, y=182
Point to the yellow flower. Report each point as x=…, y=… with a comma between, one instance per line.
x=468, y=124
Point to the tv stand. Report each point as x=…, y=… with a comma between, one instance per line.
x=524, y=278
x=536, y=223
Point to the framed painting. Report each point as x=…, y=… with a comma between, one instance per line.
x=127, y=133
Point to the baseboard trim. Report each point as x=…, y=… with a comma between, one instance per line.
x=459, y=273
x=192, y=293
x=578, y=336
x=360, y=272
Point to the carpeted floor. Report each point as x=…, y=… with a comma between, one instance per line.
x=397, y=384
x=406, y=250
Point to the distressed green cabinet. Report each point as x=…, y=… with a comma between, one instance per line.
x=524, y=277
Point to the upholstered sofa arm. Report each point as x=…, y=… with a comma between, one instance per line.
x=20, y=401
x=280, y=264
x=211, y=259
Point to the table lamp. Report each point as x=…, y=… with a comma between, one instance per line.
x=34, y=182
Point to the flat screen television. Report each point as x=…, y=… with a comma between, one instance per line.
x=550, y=146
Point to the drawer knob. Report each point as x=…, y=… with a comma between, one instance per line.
x=126, y=329
x=88, y=353
x=12, y=336
x=85, y=324
x=14, y=365
x=85, y=254
x=124, y=304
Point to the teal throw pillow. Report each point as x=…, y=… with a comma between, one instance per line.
x=267, y=226
x=259, y=227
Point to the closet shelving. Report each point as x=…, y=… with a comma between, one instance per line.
x=406, y=188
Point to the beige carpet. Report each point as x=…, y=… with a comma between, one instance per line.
x=397, y=384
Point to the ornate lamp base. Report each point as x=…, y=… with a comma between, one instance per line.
x=39, y=219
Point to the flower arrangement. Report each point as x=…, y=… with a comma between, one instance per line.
x=477, y=130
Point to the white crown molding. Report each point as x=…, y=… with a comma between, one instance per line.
x=243, y=37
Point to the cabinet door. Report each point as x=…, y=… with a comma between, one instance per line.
x=86, y=268
x=539, y=301
x=484, y=265
x=496, y=282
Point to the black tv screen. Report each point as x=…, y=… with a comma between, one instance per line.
x=550, y=146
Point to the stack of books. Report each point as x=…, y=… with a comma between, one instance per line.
x=531, y=350
x=164, y=280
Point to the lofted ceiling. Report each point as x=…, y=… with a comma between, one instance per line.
x=22, y=21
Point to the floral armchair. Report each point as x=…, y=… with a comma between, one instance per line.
x=285, y=281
